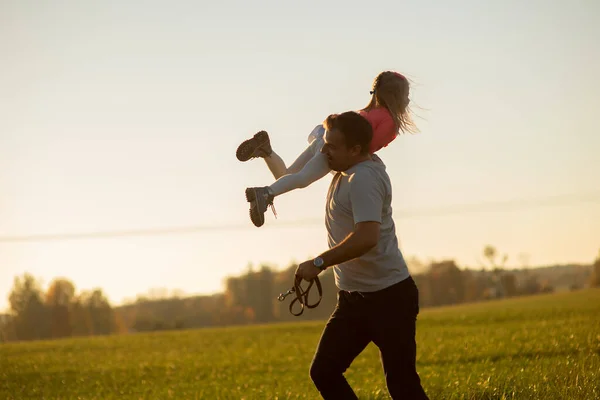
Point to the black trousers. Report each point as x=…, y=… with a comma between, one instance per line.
x=388, y=319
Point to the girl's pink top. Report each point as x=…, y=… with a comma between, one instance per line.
x=384, y=129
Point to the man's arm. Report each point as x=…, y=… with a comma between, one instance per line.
x=364, y=237
x=366, y=196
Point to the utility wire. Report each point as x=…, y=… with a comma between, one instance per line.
x=507, y=205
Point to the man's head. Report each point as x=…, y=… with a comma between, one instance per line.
x=347, y=140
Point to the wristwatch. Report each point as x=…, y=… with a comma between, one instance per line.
x=319, y=263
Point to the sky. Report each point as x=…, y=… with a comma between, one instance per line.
x=120, y=116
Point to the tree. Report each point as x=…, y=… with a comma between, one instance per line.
x=101, y=314
x=59, y=299
x=447, y=283
x=81, y=320
x=30, y=317
x=595, y=277
x=7, y=329
x=490, y=253
x=496, y=289
x=509, y=284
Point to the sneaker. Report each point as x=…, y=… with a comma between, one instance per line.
x=260, y=199
x=257, y=146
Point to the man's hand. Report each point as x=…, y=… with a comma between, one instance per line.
x=361, y=240
x=306, y=271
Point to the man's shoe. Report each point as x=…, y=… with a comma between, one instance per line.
x=257, y=146
x=260, y=199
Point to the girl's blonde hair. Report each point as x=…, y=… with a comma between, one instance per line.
x=391, y=90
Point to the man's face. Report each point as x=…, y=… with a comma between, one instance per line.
x=339, y=156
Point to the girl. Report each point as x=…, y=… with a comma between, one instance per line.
x=388, y=114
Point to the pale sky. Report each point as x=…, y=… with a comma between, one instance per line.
x=122, y=115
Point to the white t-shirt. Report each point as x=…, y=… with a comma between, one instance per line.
x=364, y=193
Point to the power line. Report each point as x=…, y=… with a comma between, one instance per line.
x=506, y=205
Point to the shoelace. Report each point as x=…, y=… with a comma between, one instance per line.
x=269, y=200
x=272, y=207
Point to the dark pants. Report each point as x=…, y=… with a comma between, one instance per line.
x=388, y=319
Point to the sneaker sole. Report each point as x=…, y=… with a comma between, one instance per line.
x=249, y=149
x=257, y=218
x=250, y=195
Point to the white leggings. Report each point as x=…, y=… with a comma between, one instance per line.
x=309, y=167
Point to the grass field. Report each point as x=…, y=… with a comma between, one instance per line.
x=542, y=347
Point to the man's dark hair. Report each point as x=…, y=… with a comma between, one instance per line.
x=355, y=128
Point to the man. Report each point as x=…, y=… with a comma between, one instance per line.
x=377, y=297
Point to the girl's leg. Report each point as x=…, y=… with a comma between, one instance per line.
x=309, y=167
x=315, y=169
x=276, y=165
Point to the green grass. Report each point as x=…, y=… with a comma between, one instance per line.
x=542, y=347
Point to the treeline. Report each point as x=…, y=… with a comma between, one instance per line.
x=56, y=313
x=251, y=298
